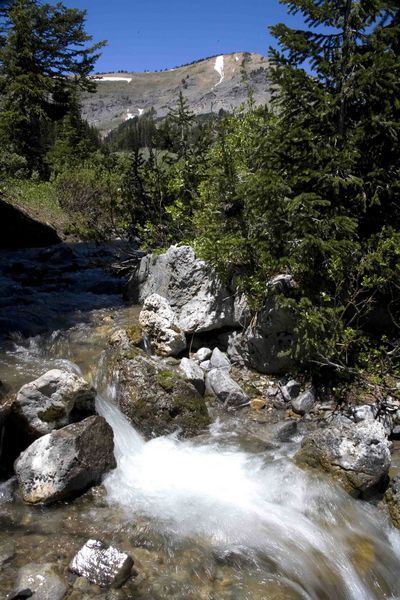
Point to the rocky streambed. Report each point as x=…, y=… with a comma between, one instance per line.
x=164, y=452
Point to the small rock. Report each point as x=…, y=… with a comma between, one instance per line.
x=52, y=401
x=66, y=461
x=257, y=403
x=304, y=403
x=367, y=412
x=228, y=391
x=202, y=354
x=40, y=582
x=101, y=564
x=159, y=323
x=291, y=390
x=193, y=373
x=219, y=360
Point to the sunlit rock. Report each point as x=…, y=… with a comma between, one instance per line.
x=225, y=389
x=192, y=288
x=158, y=321
x=101, y=564
x=356, y=455
x=53, y=401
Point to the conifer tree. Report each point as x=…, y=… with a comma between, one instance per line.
x=335, y=146
x=44, y=56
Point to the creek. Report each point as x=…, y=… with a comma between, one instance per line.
x=218, y=517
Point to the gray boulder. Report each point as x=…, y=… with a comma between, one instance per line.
x=265, y=345
x=220, y=384
x=40, y=582
x=304, y=403
x=193, y=373
x=101, y=564
x=53, y=401
x=158, y=321
x=66, y=461
x=356, y=455
x=195, y=293
x=156, y=399
x=219, y=360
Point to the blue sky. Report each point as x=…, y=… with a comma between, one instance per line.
x=157, y=34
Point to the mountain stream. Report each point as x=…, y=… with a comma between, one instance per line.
x=213, y=518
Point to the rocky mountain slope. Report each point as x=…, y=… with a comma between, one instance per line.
x=209, y=85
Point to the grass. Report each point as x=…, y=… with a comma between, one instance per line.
x=39, y=200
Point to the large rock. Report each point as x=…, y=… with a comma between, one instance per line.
x=40, y=582
x=265, y=345
x=357, y=455
x=220, y=383
x=102, y=565
x=66, y=461
x=19, y=230
x=194, y=291
x=53, y=401
x=156, y=399
x=158, y=321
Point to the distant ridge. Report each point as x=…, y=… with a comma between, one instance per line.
x=210, y=84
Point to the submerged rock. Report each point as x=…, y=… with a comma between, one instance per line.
x=66, y=461
x=52, y=401
x=101, y=564
x=192, y=288
x=356, y=455
x=158, y=321
x=40, y=582
x=156, y=399
x=221, y=384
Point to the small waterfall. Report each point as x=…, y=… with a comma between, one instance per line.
x=307, y=530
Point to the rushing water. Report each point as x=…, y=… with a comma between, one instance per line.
x=204, y=519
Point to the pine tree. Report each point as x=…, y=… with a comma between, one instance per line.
x=335, y=147
x=44, y=57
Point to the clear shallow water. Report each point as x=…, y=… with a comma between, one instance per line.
x=204, y=518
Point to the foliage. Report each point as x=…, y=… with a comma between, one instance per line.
x=44, y=57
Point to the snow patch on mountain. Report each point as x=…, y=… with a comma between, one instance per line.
x=219, y=67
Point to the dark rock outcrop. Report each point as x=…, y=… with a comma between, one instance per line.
x=65, y=462
x=156, y=399
x=19, y=230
